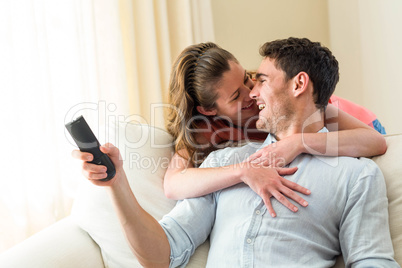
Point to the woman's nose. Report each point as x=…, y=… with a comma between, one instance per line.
x=251, y=85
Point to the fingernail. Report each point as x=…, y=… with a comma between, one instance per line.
x=308, y=192
x=273, y=215
x=295, y=209
x=89, y=158
x=305, y=203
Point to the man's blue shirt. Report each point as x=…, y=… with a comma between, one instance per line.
x=347, y=214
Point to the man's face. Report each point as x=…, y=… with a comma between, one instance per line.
x=273, y=96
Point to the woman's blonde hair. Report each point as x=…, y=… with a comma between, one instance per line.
x=194, y=78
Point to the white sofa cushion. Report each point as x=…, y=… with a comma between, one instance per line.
x=61, y=245
x=391, y=166
x=146, y=152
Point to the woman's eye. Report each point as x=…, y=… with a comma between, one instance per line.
x=246, y=80
x=250, y=83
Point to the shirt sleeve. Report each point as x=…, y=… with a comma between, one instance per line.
x=364, y=229
x=187, y=226
x=190, y=222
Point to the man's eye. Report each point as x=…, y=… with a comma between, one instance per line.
x=237, y=96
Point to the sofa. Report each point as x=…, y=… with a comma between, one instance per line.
x=92, y=237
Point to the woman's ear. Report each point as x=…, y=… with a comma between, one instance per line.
x=301, y=83
x=203, y=111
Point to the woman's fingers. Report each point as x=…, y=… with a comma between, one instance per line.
x=290, y=184
x=297, y=198
x=268, y=182
x=286, y=171
x=286, y=189
x=295, y=187
x=284, y=201
x=268, y=204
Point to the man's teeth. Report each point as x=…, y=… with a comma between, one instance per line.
x=261, y=106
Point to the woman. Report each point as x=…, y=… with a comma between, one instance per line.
x=209, y=93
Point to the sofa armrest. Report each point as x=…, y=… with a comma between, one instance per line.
x=61, y=245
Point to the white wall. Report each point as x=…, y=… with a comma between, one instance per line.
x=364, y=35
x=243, y=26
x=345, y=42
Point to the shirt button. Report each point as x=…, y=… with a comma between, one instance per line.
x=248, y=241
x=257, y=212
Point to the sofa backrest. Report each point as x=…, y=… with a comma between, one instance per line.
x=391, y=166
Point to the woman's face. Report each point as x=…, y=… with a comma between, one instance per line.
x=234, y=103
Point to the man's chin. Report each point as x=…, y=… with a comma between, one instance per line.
x=262, y=124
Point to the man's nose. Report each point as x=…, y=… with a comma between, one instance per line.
x=254, y=92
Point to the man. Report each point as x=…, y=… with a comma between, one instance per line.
x=347, y=210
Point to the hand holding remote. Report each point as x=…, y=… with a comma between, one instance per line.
x=87, y=142
x=96, y=173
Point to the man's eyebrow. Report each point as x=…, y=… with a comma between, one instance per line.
x=258, y=75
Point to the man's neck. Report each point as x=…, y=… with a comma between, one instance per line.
x=303, y=124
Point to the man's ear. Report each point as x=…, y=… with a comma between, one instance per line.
x=300, y=83
x=203, y=111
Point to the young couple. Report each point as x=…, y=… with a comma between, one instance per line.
x=293, y=85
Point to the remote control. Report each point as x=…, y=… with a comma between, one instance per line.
x=87, y=142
